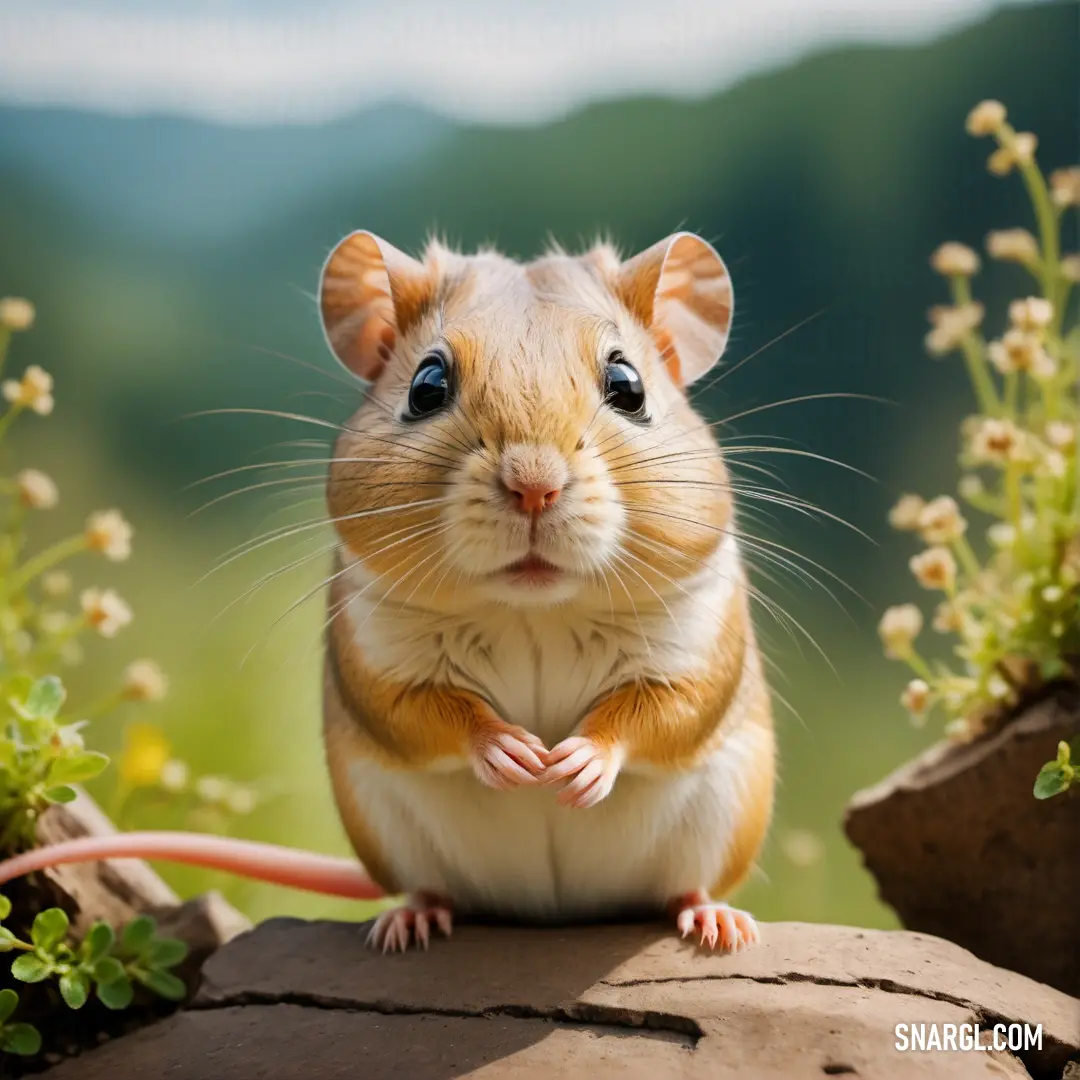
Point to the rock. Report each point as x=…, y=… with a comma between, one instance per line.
x=306, y=1001
x=116, y=890
x=961, y=848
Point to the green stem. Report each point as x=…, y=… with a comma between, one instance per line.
x=919, y=666
x=1012, y=393
x=9, y=416
x=975, y=354
x=45, y=560
x=967, y=557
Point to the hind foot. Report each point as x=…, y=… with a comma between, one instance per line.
x=719, y=924
x=396, y=929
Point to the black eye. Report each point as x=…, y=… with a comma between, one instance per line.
x=430, y=389
x=623, y=388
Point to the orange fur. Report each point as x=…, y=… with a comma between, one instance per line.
x=675, y=724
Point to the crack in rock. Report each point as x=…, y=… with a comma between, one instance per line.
x=667, y=1027
x=1034, y=1062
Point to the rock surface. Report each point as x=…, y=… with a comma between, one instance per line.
x=961, y=848
x=306, y=1001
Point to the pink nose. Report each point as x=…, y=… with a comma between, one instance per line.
x=532, y=498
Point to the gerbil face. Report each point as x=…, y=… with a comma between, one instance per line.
x=527, y=439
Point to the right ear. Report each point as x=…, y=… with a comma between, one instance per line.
x=369, y=294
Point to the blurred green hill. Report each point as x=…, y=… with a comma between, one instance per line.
x=170, y=259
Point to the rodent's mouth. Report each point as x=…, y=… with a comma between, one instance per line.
x=533, y=570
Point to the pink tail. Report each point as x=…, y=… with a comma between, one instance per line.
x=265, y=862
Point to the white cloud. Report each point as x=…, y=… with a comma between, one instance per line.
x=478, y=59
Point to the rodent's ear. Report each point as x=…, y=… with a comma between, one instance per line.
x=681, y=291
x=369, y=293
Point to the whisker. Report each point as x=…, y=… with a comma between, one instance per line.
x=307, y=596
x=725, y=372
x=318, y=523
x=769, y=495
x=770, y=544
x=799, y=400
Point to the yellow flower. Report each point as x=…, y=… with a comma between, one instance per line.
x=56, y=583
x=951, y=326
x=904, y=516
x=1032, y=314
x=934, y=568
x=105, y=611
x=1022, y=152
x=1013, y=245
x=995, y=441
x=37, y=491
x=145, y=754
x=1065, y=186
x=916, y=697
x=16, y=313
x=986, y=118
x=940, y=521
x=109, y=533
x=1019, y=350
x=1070, y=267
x=955, y=260
x=898, y=629
x=32, y=391
x=144, y=681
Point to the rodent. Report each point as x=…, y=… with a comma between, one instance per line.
x=538, y=584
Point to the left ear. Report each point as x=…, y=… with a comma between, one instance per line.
x=681, y=292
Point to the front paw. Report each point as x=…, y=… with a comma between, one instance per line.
x=506, y=756
x=590, y=768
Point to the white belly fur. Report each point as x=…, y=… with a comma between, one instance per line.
x=657, y=835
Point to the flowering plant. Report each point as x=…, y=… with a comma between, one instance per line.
x=42, y=749
x=1014, y=613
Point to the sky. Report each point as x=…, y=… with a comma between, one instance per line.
x=272, y=61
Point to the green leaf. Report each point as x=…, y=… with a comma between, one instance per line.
x=1063, y=753
x=164, y=953
x=137, y=934
x=31, y=968
x=22, y=1039
x=5, y=907
x=9, y=1002
x=75, y=988
x=61, y=794
x=7, y=939
x=108, y=969
x=49, y=929
x=98, y=941
x=1052, y=780
x=77, y=768
x=45, y=698
x=164, y=983
x=116, y=993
